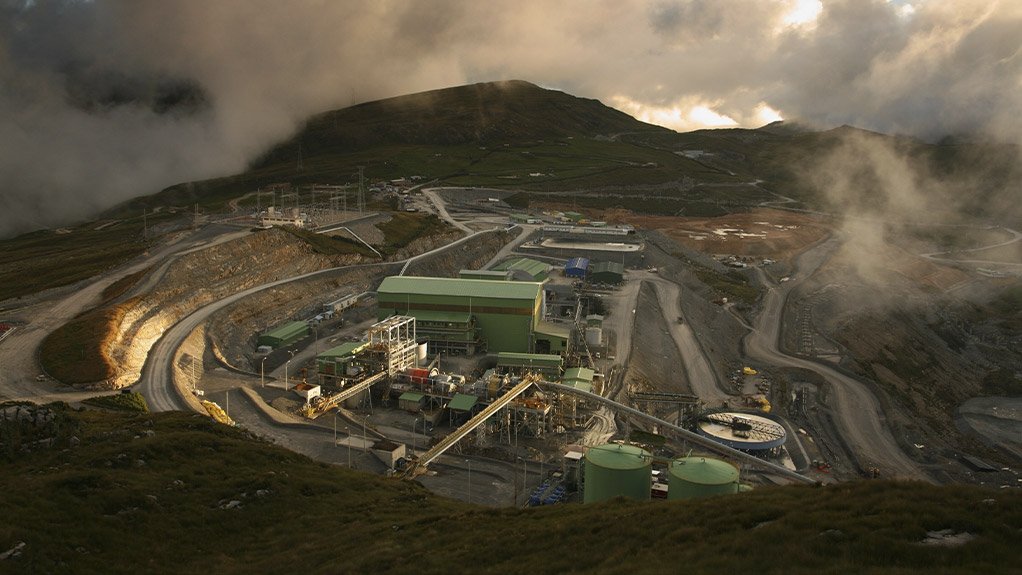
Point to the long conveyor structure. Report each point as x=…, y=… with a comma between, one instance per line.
x=446, y=443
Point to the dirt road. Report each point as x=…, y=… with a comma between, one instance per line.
x=441, y=209
x=701, y=376
x=857, y=411
x=18, y=365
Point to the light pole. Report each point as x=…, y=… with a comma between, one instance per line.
x=335, y=429
x=292, y=352
x=469, y=462
x=348, y=431
x=262, y=372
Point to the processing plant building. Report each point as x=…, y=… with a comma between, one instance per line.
x=468, y=315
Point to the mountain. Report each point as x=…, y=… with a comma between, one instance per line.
x=491, y=113
x=517, y=135
x=106, y=492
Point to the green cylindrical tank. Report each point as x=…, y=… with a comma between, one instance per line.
x=612, y=470
x=693, y=477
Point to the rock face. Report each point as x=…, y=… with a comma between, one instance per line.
x=201, y=277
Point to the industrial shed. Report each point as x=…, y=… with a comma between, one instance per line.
x=606, y=273
x=576, y=268
x=538, y=362
x=503, y=314
x=284, y=335
x=525, y=269
x=503, y=275
x=552, y=337
x=579, y=378
x=335, y=360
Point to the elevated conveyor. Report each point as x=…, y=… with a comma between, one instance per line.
x=449, y=441
x=312, y=412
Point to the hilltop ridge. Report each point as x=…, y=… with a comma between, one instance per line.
x=485, y=112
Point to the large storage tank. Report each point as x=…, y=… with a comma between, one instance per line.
x=421, y=351
x=694, y=477
x=594, y=336
x=612, y=470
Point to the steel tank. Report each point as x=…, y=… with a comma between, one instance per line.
x=614, y=470
x=694, y=477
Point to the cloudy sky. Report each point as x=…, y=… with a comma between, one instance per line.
x=103, y=101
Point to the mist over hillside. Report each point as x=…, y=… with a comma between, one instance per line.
x=102, y=102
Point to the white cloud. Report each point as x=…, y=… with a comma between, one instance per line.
x=265, y=65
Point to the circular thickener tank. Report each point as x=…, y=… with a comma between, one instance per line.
x=612, y=470
x=693, y=477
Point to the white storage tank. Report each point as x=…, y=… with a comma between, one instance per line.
x=421, y=353
x=594, y=336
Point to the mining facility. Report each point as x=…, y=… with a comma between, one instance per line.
x=501, y=364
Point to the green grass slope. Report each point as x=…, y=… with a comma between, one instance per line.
x=488, y=134
x=152, y=493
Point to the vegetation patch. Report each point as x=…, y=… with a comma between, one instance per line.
x=218, y=499
x=330, y=245
x=76, y=351
x=121, y=286
x=404, y=227
x=132, y=401
x=731, y=284
x=46, y=259
x=518, y=200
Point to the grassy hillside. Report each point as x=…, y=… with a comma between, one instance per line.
x=518, y=135
x=493, y=134
x=44, y=259
x=156, y=493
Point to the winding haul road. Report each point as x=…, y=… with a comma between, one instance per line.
x=18, y=352
x=156, y=382
x=857, y=410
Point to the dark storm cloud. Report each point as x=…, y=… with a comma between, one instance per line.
x=103, y=101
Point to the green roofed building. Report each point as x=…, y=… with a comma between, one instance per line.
x=480, y=314
x=539, y=362
x=503, y=275
x=552, y=337
x=462, y=402
x=579, y=378
x=284, y=335
x=525, y=269
x=606, y=273
x=335, y=360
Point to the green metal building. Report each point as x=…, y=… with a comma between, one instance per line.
x=503, y=275
x=551, y=337
x=606, y=273
x=335, y=360
x=470, y=314
x=579, y=378
x=284, y=335
x=546, y=364
x=525, y=269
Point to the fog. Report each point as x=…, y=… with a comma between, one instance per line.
x=104, y=101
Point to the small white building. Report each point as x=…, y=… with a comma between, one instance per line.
x=307, y=390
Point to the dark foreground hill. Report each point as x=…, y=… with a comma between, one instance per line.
x=92, y=492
